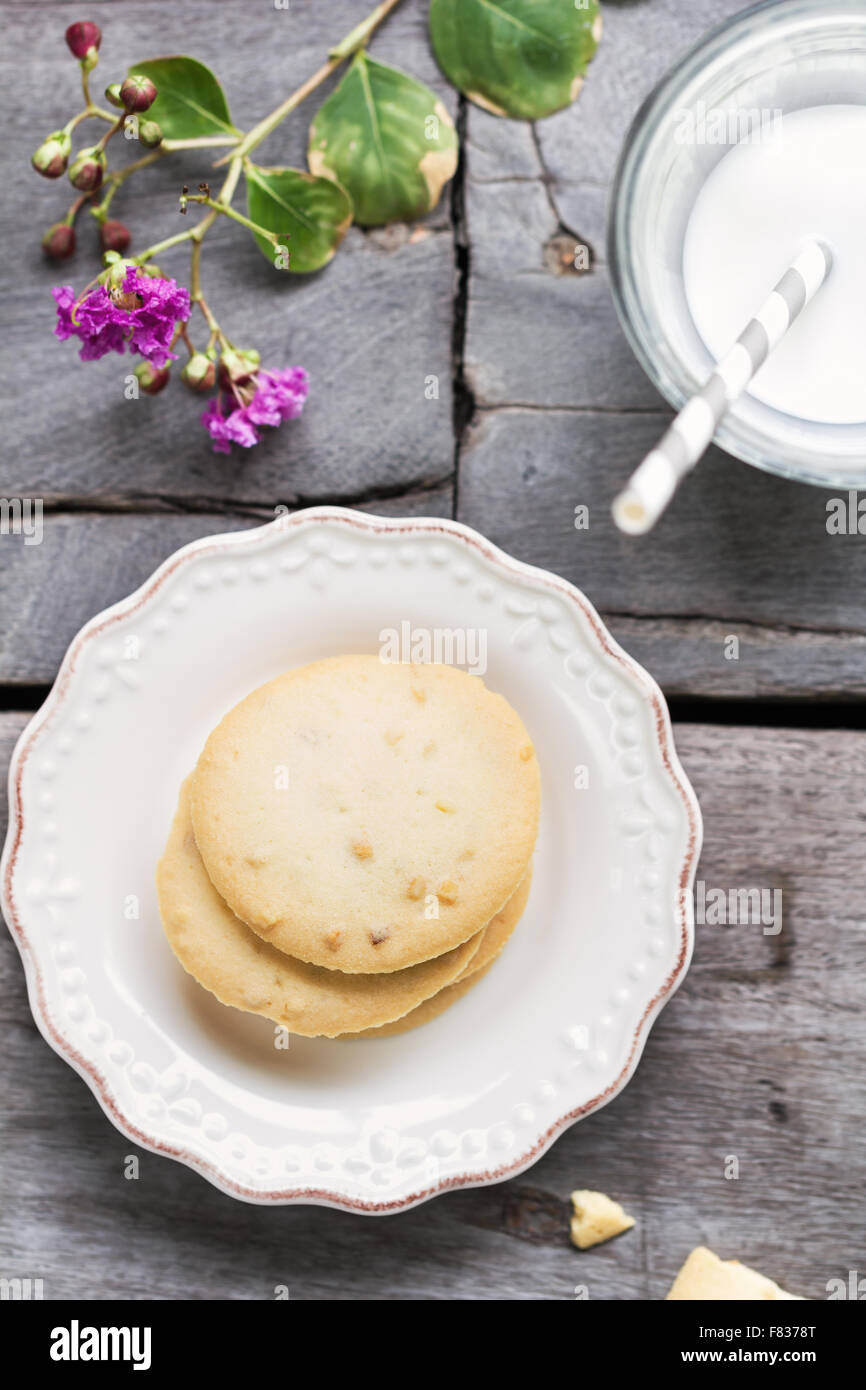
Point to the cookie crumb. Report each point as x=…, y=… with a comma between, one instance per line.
x=596, y=1218
x=447, y=891
x=361, y=848
x=704, y=1278
x=332, y=940
x=416, y=888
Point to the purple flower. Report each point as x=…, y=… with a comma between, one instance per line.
x=98, y=333
x=215, y=423
x=146, y=328
x=278, y=396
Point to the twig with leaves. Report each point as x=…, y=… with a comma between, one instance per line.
x=381, y=148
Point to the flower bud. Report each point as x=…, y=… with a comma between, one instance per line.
x=114, y=236
x=238, y=367
x=50, y=159
x=83, y=40
x=87, y=170
x=150, y=134
x=151, y=379
x=117, y=268
x=58, y=242
x=112, y=95
x=199, y=374
x=137, y=93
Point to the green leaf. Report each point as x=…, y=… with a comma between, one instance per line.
x=521, y=58
x=190, y=101
x=313, y=213
x=387, y=139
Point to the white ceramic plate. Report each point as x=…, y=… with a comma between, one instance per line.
x=555, y=1029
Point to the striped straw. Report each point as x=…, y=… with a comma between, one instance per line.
x=639, y=506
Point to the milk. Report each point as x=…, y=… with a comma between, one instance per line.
x=804, y=176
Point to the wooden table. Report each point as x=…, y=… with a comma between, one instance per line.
x=541, y=408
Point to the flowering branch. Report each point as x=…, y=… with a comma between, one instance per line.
x=131, y=305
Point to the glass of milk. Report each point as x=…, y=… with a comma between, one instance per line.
x=753, y=144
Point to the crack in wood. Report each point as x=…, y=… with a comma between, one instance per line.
x=159, y=504
x=462, y=395
x=548, y=183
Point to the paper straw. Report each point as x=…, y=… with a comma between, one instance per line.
x=638, y=507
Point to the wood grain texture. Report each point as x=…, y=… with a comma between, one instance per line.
x=751, y=557
x=761, y=1055
x=88, y=560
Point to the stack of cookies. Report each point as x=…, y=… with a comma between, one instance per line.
x=353, y=848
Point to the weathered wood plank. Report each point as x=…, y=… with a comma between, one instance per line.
x=761, y=1055
x=87, y=561
x=569, y=350
x=694, y=656
x=525, y=186
x=737, y=547
x=579, y=147
x=371, y=328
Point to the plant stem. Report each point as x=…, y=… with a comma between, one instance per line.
x=75, y=209
x=121, y=175
x=347, y=46
x=160, y=246
x=196, y=297
x=236, y=216
x=167, y=147
x=76, y=120
x=216, y=333
x=195, y=273
x=223, y=198
x=196, y=233
x=200, y=142
x=116, y=126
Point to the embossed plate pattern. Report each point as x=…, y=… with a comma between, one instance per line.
x=555, y=1029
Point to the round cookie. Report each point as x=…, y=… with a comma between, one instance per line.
x=492, y=943
x=422, y=1013
x=250, y=974
x=499, y=929
x=365, y=815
